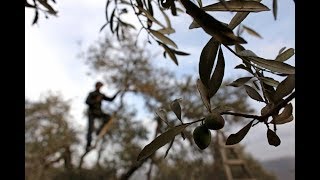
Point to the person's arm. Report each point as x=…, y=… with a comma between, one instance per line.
x=110, y=98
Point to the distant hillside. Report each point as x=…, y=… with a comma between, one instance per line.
x=283, y=168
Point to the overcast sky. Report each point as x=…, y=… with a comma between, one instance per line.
x=51, y=61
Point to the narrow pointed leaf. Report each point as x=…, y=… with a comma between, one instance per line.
x=239, y=82
x=246, y=53
x=273, y=138
x=256, y=85
x=217, y=76
x=237, y=6
x=239, y=48
x=194, y=24
x=238, y=18
x=176, y=108
x=253, y=93
x=160, y=141
x=207, y=58
x=285, y=55
x=285, y=116
x=36, y=17
x=285, y=87
x=180, y=53
x=162, y=115
x=252, y=32
x=237, y=137
x=111, y=20
x=171, y=53
x=163, y=38
x=200, y=3
x=272, y=65
x=275, y=8
x=167, y=19
x=281, y=50
x=269, y=81
x=210, y=25
x=169, y=147
x=166, y=30
x=204, y=94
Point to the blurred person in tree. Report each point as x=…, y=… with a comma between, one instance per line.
x=94, y=101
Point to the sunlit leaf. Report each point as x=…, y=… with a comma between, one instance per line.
x=275, y=8
x=285, y=87
x=272, y=65
x=269, y=81
x=176, y=108
x=238, y=6
x=237, y=137
x=273, y=138
x=207, y=59
x=252, y=32
x=160, y=141
x=253, y=93
x=217, y=76
x=163, y=38
x=239, y=82
x=285, y=116
x=285, y=55
x=204, y=94
x=212, y=26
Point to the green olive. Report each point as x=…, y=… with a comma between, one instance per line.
x=214, y=121
x=202, y=136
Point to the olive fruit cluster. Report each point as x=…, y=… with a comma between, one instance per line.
x=202, y=134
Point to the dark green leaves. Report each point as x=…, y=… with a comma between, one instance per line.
x=285, y=87
x=160, y=141
x=236, y=138
x=207, y=58
x=253, y=93
x=273, y=139
x=238, y=6
x=176, y=108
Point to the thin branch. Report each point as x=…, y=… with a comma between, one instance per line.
x=240, y=114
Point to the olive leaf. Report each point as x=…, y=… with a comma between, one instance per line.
x=251, y=31
x=170, y=52
x=237, y=6
x=150, y=17
x=211, y=26
x=162, y=115
x=163, y=38
x=160, y=141
x=204, y=94
x=270, y=81
x=273, y=138
x=285, y=55
x=239, y=82
x=272, y=65
x=285, y=116
x=275, y=8
x=176, y=108
x=285, y=87
x=217, y=76
x=207, y=58
x=253, y=93
x=237, y=137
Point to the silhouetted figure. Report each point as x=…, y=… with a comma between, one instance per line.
x=94, y=100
